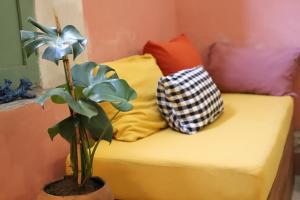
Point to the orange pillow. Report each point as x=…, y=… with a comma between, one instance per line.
x=175, y=55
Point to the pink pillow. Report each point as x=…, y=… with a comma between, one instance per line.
x=253, y=70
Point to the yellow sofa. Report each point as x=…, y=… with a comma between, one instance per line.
x=234, y=158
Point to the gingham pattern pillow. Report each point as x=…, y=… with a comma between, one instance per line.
x=189, y=99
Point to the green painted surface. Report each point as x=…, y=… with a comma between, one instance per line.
x=13, y=64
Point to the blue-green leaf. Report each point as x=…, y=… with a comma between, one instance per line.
x=55, y=53
x=74, y=38
x=66, y=128
x=31, y=45
x=85, y=108
x=77, y=50
x=27, y=35
x=83, y=73
x=57, y=99
x=115, y=91
x=78, y=92
x=123, y=90
x=103, y=74
x=99, y=126
x=70, y=41
x=70, y=32
x=80, y=106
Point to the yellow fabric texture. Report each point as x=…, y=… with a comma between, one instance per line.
x=142, y=73
x=234, y=158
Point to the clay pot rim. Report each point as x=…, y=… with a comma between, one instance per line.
x=97, y=178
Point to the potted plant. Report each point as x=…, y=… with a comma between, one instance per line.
x=87, y=85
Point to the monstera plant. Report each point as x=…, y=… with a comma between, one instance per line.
x=87, y=85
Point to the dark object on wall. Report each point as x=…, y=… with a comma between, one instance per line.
x=8, y=95
x=5, y=89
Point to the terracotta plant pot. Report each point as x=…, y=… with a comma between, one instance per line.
x=104, y=193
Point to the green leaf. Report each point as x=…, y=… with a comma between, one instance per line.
x=27, y=35
x=55, y=53
x=115, y=91
x=86, y=108
x=123, y=90
x=98, y=126
x=70, y=33
x=53, y=92
x=78, y=92
x=31, y=45
x=45, y=29
x=102, y=74
x=57, y=99
x=80, y=106
x=77, y=50
x=73, y=36
x=66, y=128
x=83, y=73
x=70, y=41
x=104, y=85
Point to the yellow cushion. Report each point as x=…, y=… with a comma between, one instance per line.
x=142, y=73
x=234, y=158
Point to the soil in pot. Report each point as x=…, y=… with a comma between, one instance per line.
x=68, y=187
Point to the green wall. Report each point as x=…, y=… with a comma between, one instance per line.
x=13, y=62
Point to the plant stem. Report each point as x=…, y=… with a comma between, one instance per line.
x=69, y=81
x=88, y=143
x=86, y=162
x=70, y=86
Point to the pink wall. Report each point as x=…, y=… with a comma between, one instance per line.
x=206, y=21
x=28, y=157
x=263, y=23
x=120, y=28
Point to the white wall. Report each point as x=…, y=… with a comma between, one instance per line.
x=69, y=12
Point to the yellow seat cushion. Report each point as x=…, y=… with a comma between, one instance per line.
x=142, y=73
x=234, y=158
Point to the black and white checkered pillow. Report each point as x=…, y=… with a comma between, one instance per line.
x=189, y=99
